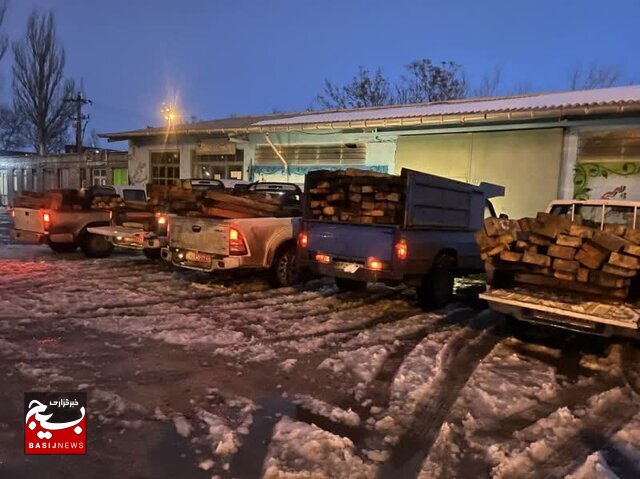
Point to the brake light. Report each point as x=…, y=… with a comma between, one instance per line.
x=401, y=249
x=236, y=242
x=46, y=220
x=375, y=264
x=161, y=219
x=303, y=239
x=323, y=258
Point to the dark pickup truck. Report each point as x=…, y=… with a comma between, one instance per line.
x=426, y=244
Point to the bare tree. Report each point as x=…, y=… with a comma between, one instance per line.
x=11, y=129
x=39, y=86
x=596, y=76
x=427, y=81
x=364, y=90
x=4, y=39
x=489, y=84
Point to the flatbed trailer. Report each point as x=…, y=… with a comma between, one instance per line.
x=567, y=310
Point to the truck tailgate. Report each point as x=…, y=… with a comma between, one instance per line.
x=28, y=219
x=351, y=241
x=206, y=235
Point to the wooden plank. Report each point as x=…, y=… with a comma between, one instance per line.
x=539, y=240
x=614, y=229
x=566, y=240
x=582, y=275
x=496, y=226
x=565, y=275
x=589, y=260
x=536, y=259
x=510, y=256
x=625, y=261
x=609, y=241
x=633, y=235
x=224, y=213
x=632, y=249
x=263, y=204
x=581, y=231
x=564, y=252
x=607, y=280
x=618, y=271
x=585, y=288
x=566, y=265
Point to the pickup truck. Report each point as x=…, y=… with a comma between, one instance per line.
x=212, y=244
x=425, y=245
x=573, y=310
x=141, y=226
x=61, y=219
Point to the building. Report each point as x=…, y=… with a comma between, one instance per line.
x=30, y=172
x=583, y=144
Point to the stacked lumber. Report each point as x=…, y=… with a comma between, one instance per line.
x=216, y=204
x=555, y=252
x=355, y=196
x=106, y=202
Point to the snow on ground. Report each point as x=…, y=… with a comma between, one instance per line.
x=517, y=413
x=299, y=450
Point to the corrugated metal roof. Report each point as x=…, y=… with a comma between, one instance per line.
x=576, y=103
x=542, y=101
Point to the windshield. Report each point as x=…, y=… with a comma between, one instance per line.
x=133, y=195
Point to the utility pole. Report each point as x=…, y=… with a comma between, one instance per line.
x=79, y=103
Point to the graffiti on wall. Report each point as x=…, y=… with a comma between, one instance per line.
x=138, y=171
x=620, y=181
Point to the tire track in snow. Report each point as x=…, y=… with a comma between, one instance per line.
x=562, y=454
x=463, y=355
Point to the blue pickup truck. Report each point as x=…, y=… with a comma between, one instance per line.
x=415, y=228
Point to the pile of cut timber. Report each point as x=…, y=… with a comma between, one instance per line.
x=216, y=204
x=355, y=196
x=555, y=252
x=106, y=202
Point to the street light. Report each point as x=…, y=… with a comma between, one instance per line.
x=169, y=115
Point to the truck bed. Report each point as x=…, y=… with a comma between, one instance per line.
x=563, y=308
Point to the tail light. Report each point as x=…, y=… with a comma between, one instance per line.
x=161, y=219
x=401, y=249
x=375, y=264
x=303, y=239
x=46, y=220
x=236, y=242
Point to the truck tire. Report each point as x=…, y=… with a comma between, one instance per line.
x=346, y=284
x=437, y=285
x=284, y=269
x=151, y=253
x=63, y=247
x=95, y=246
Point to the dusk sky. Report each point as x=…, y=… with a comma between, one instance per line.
x=248, y=57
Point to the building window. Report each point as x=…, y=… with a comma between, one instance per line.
x=4, y=187
x=350, y=154
x=219, y=167
x=165, y=168
x=99, y=176
x=120, y=176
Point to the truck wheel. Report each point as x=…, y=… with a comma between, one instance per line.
x=95, y=246
x=437, y=285
x=284, y=270
x=151, y=253
x=63, y=247
x=346, y=284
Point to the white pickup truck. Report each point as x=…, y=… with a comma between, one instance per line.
x=570, y=310
x=213, y=244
